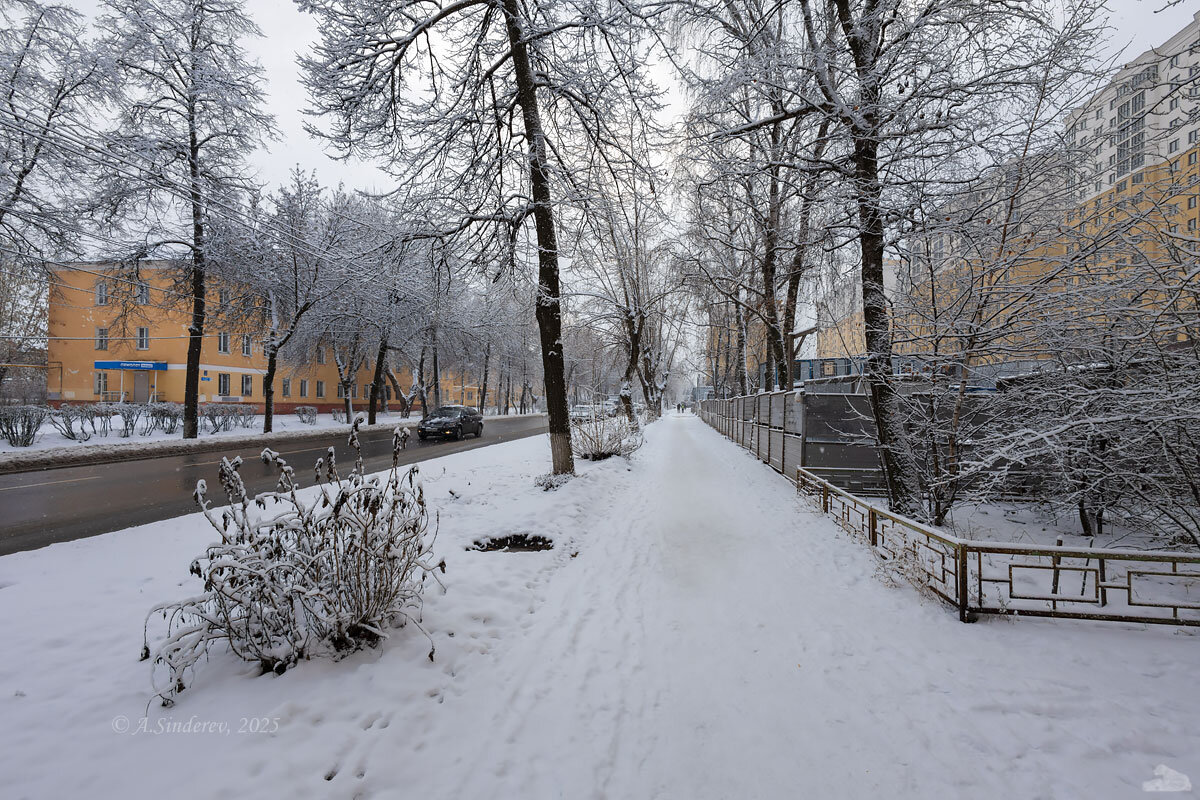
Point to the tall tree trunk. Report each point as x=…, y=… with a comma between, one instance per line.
x=740, y=368
x=191, y=384
x=899, y=465
x=769, y=270
x=269, y=386
x=377, y=383
x=401, y=398
x=549, y=306
x=483, y=386
x=633, y=333
x=437, y=374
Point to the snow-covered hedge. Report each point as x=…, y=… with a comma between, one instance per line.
x=221, y=417
x=307, y=414
x=599, y=438
x=297, y=575
x=19, y=424
x=73, y=421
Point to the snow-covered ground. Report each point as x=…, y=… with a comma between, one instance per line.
x=697, y=632
x=1028, y=523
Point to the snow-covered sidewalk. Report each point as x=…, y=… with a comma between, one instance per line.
x=697, y=632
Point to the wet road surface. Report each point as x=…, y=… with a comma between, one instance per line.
x=57, y=505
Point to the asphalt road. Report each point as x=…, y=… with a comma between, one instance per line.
x=57, y=505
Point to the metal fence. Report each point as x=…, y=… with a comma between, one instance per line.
x=976, y=577
x=828, y=432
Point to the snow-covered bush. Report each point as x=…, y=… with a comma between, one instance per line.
x=131, y=414
x=19, y=424
x=300, y=574
x=221, y=417
x=165, y=417
x=73, y=422
x=599, y=438
x=244, y=414
x=307, y=414
x=100, y=416
x=338, y=413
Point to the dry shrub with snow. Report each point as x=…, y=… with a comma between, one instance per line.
x=19, y=424
x=297, y=575
x=602, y=437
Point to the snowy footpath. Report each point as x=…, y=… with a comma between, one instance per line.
x=696, y=632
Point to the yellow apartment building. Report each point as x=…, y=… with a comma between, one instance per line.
x=112, y=338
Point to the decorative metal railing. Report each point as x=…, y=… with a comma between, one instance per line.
x=979, y=577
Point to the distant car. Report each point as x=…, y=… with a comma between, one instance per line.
x=582, y=413
x=451, y=422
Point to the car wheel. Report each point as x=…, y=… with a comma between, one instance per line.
x=458, y=434
x=421, y=436
x=479, y=431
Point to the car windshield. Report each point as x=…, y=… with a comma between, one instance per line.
x=447, y=411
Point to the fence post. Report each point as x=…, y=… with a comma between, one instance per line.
x=1101, y=587
x=873, y=520
x=1054, y=582
x=783, y=436
x=825, y=498
x=961, y=557
x=770, y=412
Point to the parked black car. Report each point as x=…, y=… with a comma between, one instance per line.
x=452, y=421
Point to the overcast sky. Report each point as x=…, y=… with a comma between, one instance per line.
x=1137, y=26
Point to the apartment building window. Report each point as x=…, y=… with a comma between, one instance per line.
x=143, y=338
x=1138, y=178
x=320, y=388
x=285, y=388
x=223, y=298
x=1173, y=104
x=1191, y=202
x=223, y=384
x=1173, y=147
x=222, y=342
x=1130, y=136
x=101, y=383
x=354, y=390
x=101, y=338
x=246, y=350
x=1191, y=159
x=320, y=355
x=247, y=385
x=1192, y=136
x=1192, y=224
x=101, y=293
x=366, y=390
x=143, y=294
x=1121, y=186
x=341, y=391
x=303, y=388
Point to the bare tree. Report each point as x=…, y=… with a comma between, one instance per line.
x=435, y=90
x=190, y=108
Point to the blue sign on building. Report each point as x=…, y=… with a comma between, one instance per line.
x=157, y=366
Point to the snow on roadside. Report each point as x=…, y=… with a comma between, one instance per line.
x=696, y=632
x=48, y=438
x=51, y=445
